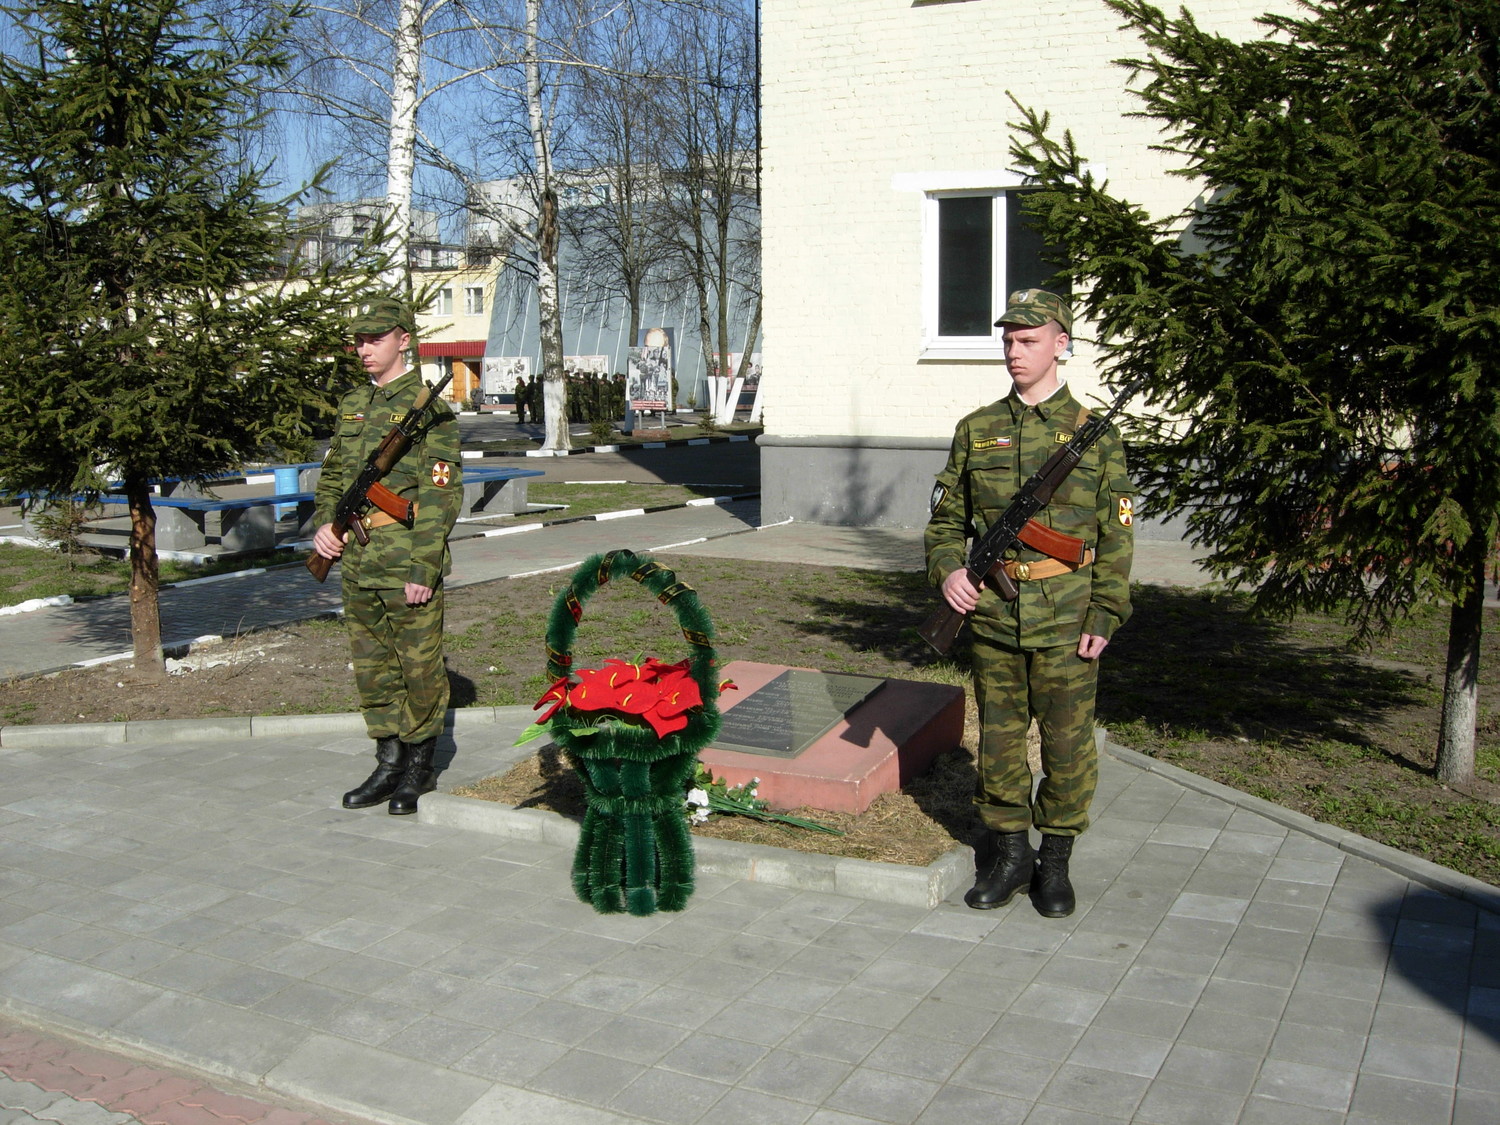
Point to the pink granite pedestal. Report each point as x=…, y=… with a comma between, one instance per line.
x=884, y=742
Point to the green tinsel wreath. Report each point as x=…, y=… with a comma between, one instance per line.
x=634, y=851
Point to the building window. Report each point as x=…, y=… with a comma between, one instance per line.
x=442, y=304
x=979, y=247
x=473, y=300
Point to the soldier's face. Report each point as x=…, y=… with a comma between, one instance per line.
x=383, y=354
x=1031, y=354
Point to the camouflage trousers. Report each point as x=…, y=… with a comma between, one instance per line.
x=398, y=662
x=1057, y=687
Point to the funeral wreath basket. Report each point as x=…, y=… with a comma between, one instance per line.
x=633, y=732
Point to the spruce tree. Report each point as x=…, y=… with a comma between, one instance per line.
x=152, y=325
x=1321, y=326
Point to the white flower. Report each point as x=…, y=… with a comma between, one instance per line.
x=697, y=797
x=698, y=816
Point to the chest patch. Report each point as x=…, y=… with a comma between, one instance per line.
x=991, y=443
x=1061, y=439
x=357, y=416
x=442, y=473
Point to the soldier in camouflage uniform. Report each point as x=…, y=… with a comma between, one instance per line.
x=393, y=587
x=1037, y=655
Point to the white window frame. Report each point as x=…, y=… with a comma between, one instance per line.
x=999, y=185
x=442, y=302
x=473, y=300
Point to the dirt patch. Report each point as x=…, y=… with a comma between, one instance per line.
x=916, y=826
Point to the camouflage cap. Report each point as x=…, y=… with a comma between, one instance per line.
x=1035, y=307
x=379, y=315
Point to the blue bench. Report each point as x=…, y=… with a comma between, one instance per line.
x=495, y=489
x=488, y=489
x=241, y=523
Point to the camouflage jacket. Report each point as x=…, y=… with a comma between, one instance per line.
x=430, y=473
x=995, y=449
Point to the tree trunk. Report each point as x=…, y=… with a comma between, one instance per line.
x=1455, y=751
x=555, y=415
x=401, y=153
x=751, y=335
x=145, y=606
x=549, y=308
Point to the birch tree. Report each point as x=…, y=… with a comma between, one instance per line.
x=714, y=147
x=373, y=69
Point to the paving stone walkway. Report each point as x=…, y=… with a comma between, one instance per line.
x=206, y=903
x=47, y=1079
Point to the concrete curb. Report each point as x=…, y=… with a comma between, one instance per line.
x=255, y=726
x=895, y=883
x=668, y=443
x=1419, y=870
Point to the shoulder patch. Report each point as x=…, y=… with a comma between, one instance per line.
x=1127, y=511
x=442, y=473
x=990, y=443
x=939, y=494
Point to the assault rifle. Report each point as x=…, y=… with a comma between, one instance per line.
x=367, y=492
x=942, y=628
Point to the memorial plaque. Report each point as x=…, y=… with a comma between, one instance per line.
x=793, y=711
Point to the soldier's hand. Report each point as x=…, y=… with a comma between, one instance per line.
x=418, y=595
x=326, y=543
x=1090, y=646
x=960, y=592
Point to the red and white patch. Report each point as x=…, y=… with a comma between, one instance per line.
x=442, y=473
x=1127, y=511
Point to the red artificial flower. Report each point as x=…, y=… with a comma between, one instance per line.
x=557, y=695
x=659, y=693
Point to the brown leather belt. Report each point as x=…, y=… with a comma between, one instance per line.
x=1046, y=568
x=380, y=518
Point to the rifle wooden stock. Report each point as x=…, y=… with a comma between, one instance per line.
x=318, y=566
x=942, y=628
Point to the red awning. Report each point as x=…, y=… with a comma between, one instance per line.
x=459, y=349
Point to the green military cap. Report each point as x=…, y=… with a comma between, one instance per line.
x=1035, y=307
x=379, y=315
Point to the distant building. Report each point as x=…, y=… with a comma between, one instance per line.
x=595, y=320
x=452, y=330
x=453, y=327
x=331, y=232
x=891, y=233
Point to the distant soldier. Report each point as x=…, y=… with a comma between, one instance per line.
x=520, y=401
x=393, y=587
x=1037, y=656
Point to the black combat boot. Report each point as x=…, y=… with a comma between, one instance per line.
x=1003, y=869
x=390, y=752
x=418, y=779
x=1051, y=892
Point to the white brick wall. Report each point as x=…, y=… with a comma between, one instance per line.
x=859, y=91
